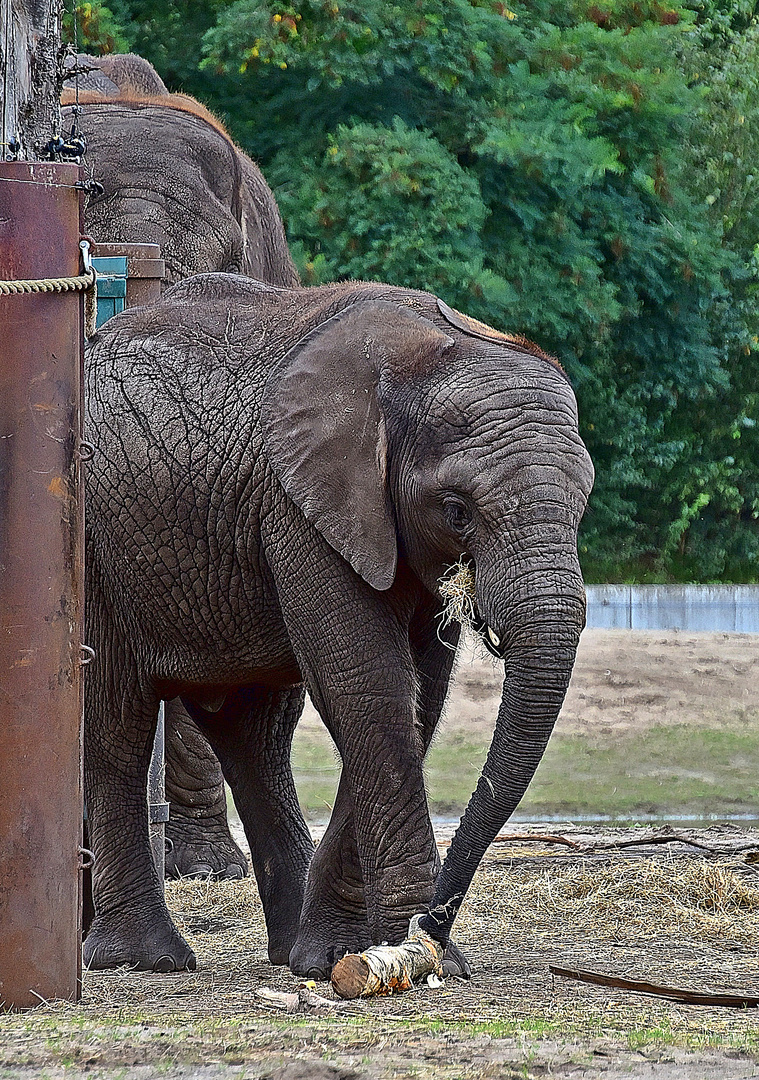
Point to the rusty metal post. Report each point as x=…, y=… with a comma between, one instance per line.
x=41, y=589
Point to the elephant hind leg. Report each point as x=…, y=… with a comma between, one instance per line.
x=251, y=735
x=201, y=843
x=131, y=924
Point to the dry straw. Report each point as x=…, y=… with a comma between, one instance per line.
x=457, y=591
x=629, y=899
x=679, y=920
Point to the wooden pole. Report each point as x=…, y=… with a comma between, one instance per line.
x=30, y=70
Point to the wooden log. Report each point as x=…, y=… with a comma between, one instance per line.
x=388, y=969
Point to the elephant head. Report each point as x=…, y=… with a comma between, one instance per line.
x=405, y=430
x=171, y=175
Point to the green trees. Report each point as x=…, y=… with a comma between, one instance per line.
x=558, y=169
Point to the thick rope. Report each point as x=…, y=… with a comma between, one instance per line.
x=49, y=285
x=86, y=282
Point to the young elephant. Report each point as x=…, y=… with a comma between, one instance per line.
x=282, y=478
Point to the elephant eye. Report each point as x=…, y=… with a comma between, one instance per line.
x=457, y=513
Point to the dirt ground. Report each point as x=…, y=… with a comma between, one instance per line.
x=673, y=913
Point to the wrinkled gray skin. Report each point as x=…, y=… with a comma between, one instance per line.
x=172, y=178
x=281, y=479
x=199, y=843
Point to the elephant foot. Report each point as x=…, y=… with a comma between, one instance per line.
x=315, y=960
x=121, y=940
x=314, y=954
x=279, y=952
x=202, y=849
x=455, y=964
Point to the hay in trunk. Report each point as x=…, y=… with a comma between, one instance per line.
x=457, y=591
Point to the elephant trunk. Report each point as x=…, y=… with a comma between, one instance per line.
x=539, y=655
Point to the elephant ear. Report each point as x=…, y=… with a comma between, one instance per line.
x=324, y=430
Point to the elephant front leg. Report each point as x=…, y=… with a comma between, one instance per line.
x=377, y=863
x=334, y=920
x=132, y=925
x=335, y=906
x=351, y=643
x=201, y=843
x=394, y=837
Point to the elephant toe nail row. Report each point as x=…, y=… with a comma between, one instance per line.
x=199, y=870
x=164, y=964
x=234, y=872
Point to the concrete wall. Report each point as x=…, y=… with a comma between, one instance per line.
x=728, y=608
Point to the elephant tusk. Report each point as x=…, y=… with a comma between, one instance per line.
x=495, y=641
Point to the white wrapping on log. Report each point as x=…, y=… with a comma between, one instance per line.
x=388, y=969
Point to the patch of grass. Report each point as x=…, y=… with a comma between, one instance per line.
x=665, y=770
x=316, y=765
x=166, y=1040
x=673, y=769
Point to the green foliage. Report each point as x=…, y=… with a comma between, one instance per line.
x=100, y=29
x=389, y=203
x=578, y=172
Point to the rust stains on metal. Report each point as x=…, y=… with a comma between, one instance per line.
x=41, y=580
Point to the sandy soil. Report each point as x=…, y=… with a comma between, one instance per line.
x=672, y=913
x=623, y=680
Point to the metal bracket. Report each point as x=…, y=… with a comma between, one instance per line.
x=158, y=812
x=92, y=188
x=84, y=247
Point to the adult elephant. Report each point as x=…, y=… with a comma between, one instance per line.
x=172, y=176
x=282, y=479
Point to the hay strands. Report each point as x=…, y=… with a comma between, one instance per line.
x=388, y=969
x=672, y=993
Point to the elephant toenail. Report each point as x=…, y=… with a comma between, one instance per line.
x=164, y=964
x=199, y=870
x=192, y=963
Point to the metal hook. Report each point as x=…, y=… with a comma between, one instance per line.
x=90, y=654
x=89, y=859
x=84, y=247
x=86, y=450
